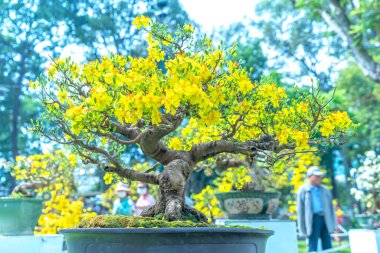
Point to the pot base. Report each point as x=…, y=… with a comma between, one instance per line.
x=166, y=240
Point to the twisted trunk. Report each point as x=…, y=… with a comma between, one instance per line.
x=25, y=188
x=178, y=164
x=171, y=195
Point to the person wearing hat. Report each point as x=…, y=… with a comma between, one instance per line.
x=145, y=200
x=123, y=205
x=315, y=211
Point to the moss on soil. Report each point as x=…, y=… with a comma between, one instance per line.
x=121, y=221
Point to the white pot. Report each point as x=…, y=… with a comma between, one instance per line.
x=364, y=240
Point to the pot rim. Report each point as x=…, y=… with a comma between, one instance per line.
x=246, y=192
x=6, y=199
x=262, y=232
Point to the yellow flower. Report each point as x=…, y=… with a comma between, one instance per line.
x=107, y=178
x=33, y=85
x=301, y=138
x=141, y=21
x=188, y=28
x=175, y=143
x=245, y=86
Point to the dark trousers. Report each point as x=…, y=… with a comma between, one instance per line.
x=319, y=231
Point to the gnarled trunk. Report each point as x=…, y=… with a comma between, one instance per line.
x=171, y=195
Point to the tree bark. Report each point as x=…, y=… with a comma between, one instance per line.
x=171, y=195
x=16, y=108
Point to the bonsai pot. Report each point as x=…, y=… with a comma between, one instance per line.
x=166, y=240
x=19, y=216
x=249, y=204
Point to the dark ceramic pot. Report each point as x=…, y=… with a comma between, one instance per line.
x=256, y=205
x=166, y=240
x=19, y=216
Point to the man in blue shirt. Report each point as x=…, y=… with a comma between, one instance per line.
x=315, y=211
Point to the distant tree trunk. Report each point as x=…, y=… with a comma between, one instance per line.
x=15, y=113
x=347, y=165
x=16, y=109
x=335, y=16
x=328, y=161
x=15, y=117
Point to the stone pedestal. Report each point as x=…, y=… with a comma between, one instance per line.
x=31, y=244
x=284, y=239
x=364, y=240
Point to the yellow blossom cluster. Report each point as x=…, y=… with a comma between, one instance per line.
x=141, y=21
x=335, y=121
x=61, y=212
x=215, y=92
x=207, y=203
x=53, y=170
x=233, y=179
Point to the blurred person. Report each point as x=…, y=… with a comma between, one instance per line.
x=145, y=200
x=123, y=205
x=315, y=211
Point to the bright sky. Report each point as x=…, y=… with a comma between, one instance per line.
x=211, y=14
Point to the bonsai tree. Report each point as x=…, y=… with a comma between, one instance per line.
x=239, y=175
x=44, y=172
x=50, y=174
x=182, y=103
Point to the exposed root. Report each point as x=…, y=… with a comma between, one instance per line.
x=198, y=215
x=186, y=213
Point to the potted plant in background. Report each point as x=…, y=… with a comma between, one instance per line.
x=249, y=195
x=183, y=103
x=246, y=190
x=40, y=204
x=21, y=210
x=45, y=183
x=367, y=181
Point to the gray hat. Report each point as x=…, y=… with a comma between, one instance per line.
x=314, y=170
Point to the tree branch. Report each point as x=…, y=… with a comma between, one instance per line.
x=203, y=151
x=225, y=163
x=24, y=187
x=123, y=172
x=151, y=144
